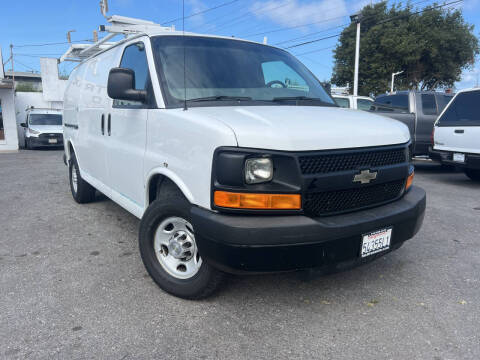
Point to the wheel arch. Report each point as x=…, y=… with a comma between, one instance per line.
x=69, y=149
x=156, y=178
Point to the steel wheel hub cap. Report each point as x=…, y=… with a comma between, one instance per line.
x=175, y=248
x=74, y=178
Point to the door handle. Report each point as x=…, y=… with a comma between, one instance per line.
x=103, y=124
x=459, y=131
x=109, y=125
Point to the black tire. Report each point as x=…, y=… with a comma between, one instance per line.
x=200, y=285
x=473, y=174
x=84, y=193
x=28, y=146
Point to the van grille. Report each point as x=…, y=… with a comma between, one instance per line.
x=330, y=202
x=318, y=164
x=51, y=136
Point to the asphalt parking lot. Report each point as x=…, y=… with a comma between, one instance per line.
x=73, y=286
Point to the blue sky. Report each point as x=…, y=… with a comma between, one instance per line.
x=283, y=22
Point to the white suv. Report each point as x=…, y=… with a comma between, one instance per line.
x=456, y=136
x=237, y=162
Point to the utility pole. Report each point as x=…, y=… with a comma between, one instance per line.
x=356, y=18
x=393, y=79
x=13, y=69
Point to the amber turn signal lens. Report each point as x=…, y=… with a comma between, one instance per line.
x=409, y=181
x=257, y=201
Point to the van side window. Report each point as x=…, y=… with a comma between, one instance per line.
x=135, y=58
x=429, y=106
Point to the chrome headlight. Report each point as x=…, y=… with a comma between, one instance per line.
x=258, y=170
x=33, y=132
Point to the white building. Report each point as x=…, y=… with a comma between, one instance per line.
x=48, y=93
x=8, y=123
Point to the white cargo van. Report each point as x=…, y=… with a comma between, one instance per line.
x=456, y=136
x=42, y=128
x=237, y=162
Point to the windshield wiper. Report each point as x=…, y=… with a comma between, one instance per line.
x=302, y=98
x=222, y=98
x=286, y=98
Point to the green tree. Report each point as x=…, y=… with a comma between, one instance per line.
x=432, y=47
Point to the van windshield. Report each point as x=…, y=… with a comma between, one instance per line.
x=232, y=71
x=45, y=119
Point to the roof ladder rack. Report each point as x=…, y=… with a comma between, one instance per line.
x=119, y=25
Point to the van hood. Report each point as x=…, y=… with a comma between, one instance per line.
x=301, y=128
x=53, y=129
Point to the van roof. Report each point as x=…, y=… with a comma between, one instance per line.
x=108, y=46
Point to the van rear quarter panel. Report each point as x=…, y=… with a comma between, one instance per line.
x=92, y=103
x=70, y=106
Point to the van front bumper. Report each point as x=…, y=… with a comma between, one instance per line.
x=237, y=244
x=46, y=141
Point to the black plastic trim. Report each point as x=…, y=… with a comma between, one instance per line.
x=288, y=178
x=282, y=243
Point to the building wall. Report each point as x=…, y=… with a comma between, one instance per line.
x=10, y=143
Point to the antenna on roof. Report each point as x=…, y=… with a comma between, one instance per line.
x=104, y=8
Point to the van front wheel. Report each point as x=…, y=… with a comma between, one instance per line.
x=170, y=253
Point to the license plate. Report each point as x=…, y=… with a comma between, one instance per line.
x=376, y=241
x=52, y=141
x=457, y=157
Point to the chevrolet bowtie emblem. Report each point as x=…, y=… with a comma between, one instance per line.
x=365, y=176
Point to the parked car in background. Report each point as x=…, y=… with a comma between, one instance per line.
x=456, y=136
x=353, y=102
x=43, y=127
x=417, y=109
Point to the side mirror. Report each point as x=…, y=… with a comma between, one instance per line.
x=121, y=85
x=24, y=125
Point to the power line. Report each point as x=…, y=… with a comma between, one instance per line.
x=312, y=41
x=379, y=23
x=28, y=67
x=317, y=50
x=314, y=33
x=237, y=20
x=200, y=12
x=295, y=27
x=49, y=44
x=37, y=55
x=336, y=27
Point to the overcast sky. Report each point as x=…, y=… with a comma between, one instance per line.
x=283, y=22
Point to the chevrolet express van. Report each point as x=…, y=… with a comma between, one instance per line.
x=237, y=162
x=456, y=135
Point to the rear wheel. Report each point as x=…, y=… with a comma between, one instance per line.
x=170, y=253
x=473, y=174
x=82, y=191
